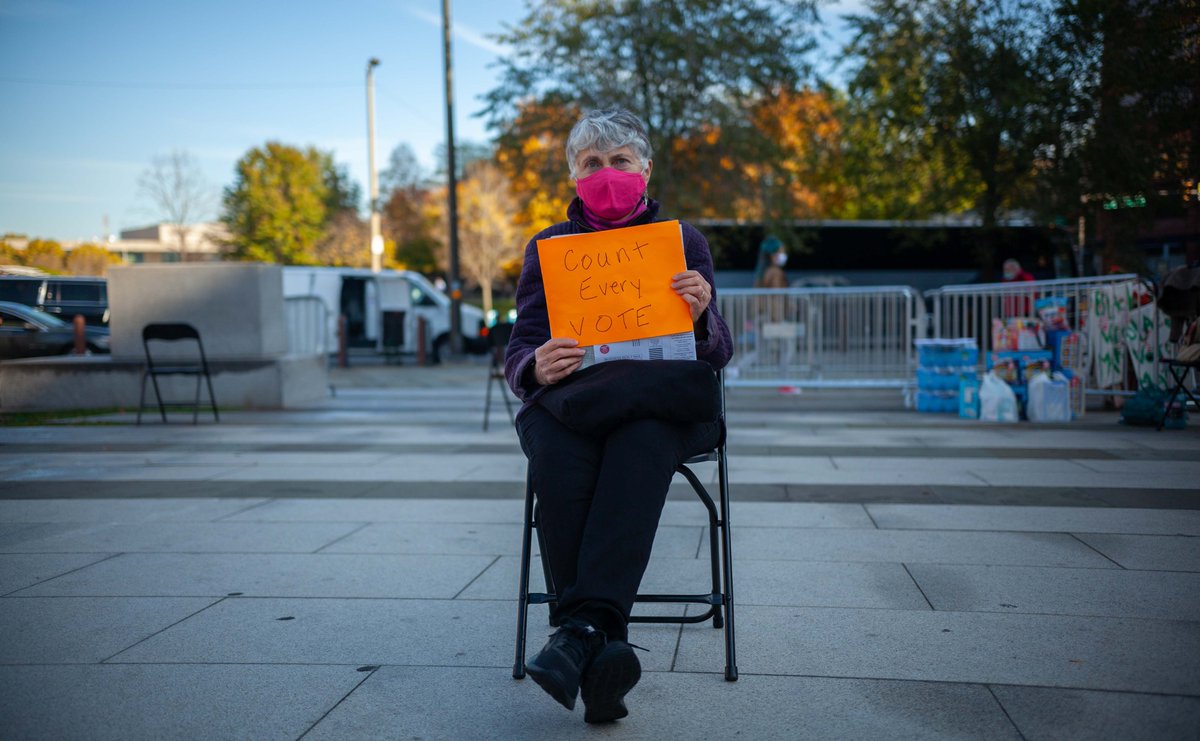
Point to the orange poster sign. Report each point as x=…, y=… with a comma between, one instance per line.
x=615, y=285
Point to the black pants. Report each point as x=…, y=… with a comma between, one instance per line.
x=600, y=499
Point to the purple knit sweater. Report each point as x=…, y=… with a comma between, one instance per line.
x=532, y=328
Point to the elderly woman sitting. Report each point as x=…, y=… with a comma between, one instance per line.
x=601, y=495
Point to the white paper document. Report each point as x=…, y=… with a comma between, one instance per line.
x=681, y=346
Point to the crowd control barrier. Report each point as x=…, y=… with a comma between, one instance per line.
x=858, y=337
x=1099, y=308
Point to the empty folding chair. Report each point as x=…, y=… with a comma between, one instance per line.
x=497, y=338
x=153, y=335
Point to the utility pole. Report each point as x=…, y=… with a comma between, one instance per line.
x=456, y=338
x=376, y=237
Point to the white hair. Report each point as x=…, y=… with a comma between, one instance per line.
x=606, y=129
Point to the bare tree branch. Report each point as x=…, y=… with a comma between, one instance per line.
x=179, y=193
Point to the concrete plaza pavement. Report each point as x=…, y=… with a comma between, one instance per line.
x=348, y=570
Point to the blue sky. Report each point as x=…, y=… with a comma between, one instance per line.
x=94, y=89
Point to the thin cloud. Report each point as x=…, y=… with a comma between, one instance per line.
x=464, y=33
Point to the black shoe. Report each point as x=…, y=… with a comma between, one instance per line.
x=613, y=672
x=559, y=665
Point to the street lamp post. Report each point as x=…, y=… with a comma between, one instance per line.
x=376, y=237
x=456, y=338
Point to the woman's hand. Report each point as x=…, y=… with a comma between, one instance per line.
x=556, y=359
x=692, y=288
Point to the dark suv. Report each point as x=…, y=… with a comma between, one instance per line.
x=60, y=297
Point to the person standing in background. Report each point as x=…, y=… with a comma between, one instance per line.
x=772, y=257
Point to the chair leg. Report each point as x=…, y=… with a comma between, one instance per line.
x=512, y=420
x=541, y=541
x=142, y=396
x=162, y=410
x=715, y=561
x=523, y=588
x=487, y=399
x=196, y=403
x=1180, y=380
x=731, y=672
x=212, y=397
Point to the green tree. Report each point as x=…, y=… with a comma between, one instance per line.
x=958, y=85
x=341, y=193
x=689, y=68
x=276, y=208
x=345, y=242
x=90, y=259
x=1126, y=126
x=409, y=220
x=45, y=254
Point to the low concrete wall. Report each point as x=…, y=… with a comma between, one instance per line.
x=237, y=308
x=100, y=382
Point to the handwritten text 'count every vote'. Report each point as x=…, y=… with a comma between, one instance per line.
x=589, y=291
x=614, y=285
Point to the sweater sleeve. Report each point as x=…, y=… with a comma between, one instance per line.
x=532, y=328
x=713, y=342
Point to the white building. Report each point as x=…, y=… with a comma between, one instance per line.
x=160, y=243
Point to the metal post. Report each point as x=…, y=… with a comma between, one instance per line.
x=376, y=237
x=456, y=339
x=80, y=335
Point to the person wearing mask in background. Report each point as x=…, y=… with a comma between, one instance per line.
x=1017, y=305
x=772, y=257
x=1013, y=272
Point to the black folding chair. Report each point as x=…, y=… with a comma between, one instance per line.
x=719, y=601
x=155, y=333
x=498, y=337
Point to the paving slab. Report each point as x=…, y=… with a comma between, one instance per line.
x=269, y=575
x=1123, y=654
x=908, y=546
x=410, y=632
x=55, y=630
x=1151, y=552
x=772, y=470
x=115, y=473
x=876, y=585
x=1053, y=714
x=196, y=537
x=20, y=570
x=1103, y=592
x=1164, y=479
x=771, y=514
x=122, y=702
x=121, y=510
x=480, y=538
x=397, y=703
x=461, y=511
x=1036, y=519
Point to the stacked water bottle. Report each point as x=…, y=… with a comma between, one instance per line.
x=941, y=367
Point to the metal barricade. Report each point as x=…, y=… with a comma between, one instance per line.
x=860, y=337
x=307, y=326
x=968, y=311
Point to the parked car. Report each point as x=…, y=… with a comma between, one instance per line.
x=61, y=296
x=27, y=333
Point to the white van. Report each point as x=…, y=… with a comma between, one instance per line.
x=382, y=309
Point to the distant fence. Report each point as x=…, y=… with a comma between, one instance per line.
x=968, y=311
x=824, y=337
x=307, y=322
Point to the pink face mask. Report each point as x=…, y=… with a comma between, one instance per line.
x=609, y=193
